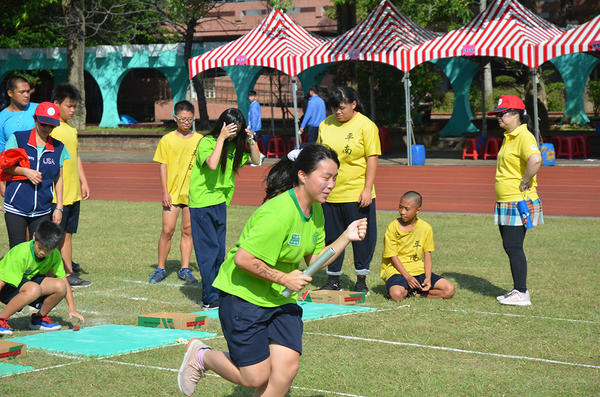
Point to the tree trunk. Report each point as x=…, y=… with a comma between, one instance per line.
x=567, y=12
x=487, y=69
x=75, y=27
x=197, y=79
x=346, y=20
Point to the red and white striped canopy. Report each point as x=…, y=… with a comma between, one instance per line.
x=506, y=29
x=380, y=37
x=275, y=42
x=583, y=38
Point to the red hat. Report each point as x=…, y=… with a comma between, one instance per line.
x=508, y=102
x=48, y=113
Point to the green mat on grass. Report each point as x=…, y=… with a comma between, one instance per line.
x=311, y=310
x=9, y=369
x=107, y=340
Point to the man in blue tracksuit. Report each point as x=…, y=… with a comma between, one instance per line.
x=315, y=114
x=254, y=122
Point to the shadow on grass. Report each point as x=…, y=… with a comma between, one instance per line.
x=475, y=284
x=320, y=279
x=243, y=392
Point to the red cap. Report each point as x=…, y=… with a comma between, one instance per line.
x=508, y=102
x=48, y=113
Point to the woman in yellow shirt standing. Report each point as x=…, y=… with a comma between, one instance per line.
x=356, y=140
x=519, y=160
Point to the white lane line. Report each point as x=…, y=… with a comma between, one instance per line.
x=454, y=350
x=523, y=315
x=217, y=376
x=41, y=369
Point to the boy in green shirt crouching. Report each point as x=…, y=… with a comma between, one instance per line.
x=26, y=278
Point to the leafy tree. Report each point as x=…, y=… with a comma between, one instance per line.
x=182, y=18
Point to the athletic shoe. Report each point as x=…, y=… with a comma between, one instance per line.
x=502, y=297
x=361, y=285
x=210, y=306
x=517, y=298
x=187, y=276
x=4, y=327
x=191, y=371
x=76, y=268
x=157, y=276
x=331, y=286
x=75, y=281
x=42, y=322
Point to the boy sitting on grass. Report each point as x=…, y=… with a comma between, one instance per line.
x=26, y=278
x=407, y=246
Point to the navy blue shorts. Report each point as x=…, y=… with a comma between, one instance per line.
x=248, y=328
x=8, y=291
x=398, y=279
x=70, y=218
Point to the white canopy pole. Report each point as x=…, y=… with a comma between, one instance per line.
x=297, y=132
x=536, y=125
x=408, y=118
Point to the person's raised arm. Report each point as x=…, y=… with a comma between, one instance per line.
x=356, y=231
x=254, y=152
x=294, y=280
x=226, y=131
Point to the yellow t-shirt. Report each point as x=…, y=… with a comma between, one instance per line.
x=179, y=155
x=354, y=141
x=71, y=185
x=409, y=247
x=512, y=162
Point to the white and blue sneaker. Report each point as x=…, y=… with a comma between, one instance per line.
x=157, y=276
x=516, y=298
x=187, y=276
x=43, y=322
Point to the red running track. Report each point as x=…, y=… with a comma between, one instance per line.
x=565, y=191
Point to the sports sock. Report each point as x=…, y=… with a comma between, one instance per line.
x=200, y=354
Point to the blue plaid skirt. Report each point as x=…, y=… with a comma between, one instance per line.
x=507, y=214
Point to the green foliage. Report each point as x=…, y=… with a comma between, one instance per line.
x=30, y=24
x=594, y=95
x=283, y=5
x=505, y=81
x=436, y=15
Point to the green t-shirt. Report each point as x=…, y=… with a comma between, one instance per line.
x=20, y=262
x=211, y=187
x=280, y=235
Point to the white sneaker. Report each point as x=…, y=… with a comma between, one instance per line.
x=517, y=298
x=502, y=297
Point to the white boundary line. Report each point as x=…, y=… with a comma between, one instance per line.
x=454, y=350
x=523, y=315
x=217, y=376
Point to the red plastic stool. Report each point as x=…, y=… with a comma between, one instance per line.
x=586, y=147
x=557, y=142
x=470, y=149
x=276, y=147
x=492, y=147
x=384, y=140
x=570, y=147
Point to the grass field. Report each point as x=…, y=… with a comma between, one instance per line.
x=466, y=346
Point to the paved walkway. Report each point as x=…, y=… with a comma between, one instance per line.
x=571, y=188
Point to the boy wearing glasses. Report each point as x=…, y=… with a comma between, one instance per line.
x=176, y=153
